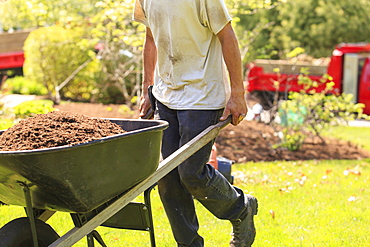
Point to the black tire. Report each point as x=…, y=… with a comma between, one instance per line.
x=17, y=233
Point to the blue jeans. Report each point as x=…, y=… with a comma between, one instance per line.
x=194, y=178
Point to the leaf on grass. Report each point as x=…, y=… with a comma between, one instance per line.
x=287, y=189
x=301, y=180
x=272, y=213
x=352, y=198
x=353, y=171
x=265, y=179
x=328, y=171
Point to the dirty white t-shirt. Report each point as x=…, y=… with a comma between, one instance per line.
x=190, y=72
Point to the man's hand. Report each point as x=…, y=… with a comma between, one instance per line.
x=237, y=107
x=145, y=107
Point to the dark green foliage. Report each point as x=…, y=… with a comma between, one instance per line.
x=316, y=26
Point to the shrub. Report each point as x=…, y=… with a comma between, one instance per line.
x=310, y=112
x=60, y=58
x=6, y=123
x=21, y=85
x=33, y=107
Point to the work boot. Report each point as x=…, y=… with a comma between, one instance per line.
x=244, y=231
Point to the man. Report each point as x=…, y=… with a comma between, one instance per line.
x=188, y=43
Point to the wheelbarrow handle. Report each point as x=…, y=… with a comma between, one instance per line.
x=225, y=122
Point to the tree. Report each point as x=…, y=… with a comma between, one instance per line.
x=20, y=14
x=249, y=24
x=121, y=40
x=317, y=26
x=271, y=29
x=109, y=23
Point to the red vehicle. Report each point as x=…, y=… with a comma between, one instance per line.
x=11, y=53
x=349, y=66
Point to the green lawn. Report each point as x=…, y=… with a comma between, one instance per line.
x=310, y=203
x=303, y=203
x=356, y=135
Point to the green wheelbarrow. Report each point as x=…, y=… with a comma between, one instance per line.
x=95, y=182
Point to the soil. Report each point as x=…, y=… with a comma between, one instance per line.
x=58, y=128
x=252, y=141
x=249, y=141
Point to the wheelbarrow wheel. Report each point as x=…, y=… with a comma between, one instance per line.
x=17, y=233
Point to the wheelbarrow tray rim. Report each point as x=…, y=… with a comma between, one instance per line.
x=162, y=123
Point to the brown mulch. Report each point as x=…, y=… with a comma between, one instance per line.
x=54, y=129
x=252, y=141
x=249, y=141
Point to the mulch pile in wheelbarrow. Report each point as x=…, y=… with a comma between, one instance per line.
x=58, y=128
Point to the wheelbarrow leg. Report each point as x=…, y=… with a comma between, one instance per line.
x=149, y=206
x=94, y=235
x=98, y=238
x=31, y=216
x=90, y=240
x=79, y=220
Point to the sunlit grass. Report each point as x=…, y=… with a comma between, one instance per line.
x=310, y=203
x=306, y=203
x=356, y=135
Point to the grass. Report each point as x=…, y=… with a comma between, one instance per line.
x=303, y=203
x=310, y=203
x=356, y=135
x=313, y=203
